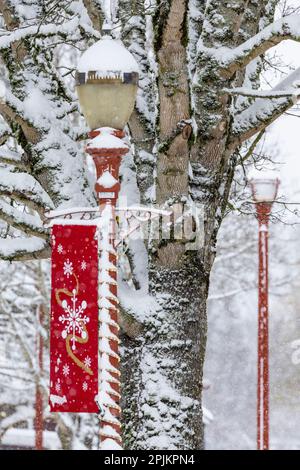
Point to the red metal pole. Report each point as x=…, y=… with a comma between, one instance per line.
x=263, y=214
x=39, y=395
x=107, y=162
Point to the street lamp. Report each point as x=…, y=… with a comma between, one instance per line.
x=106, y=84
x=264, y=191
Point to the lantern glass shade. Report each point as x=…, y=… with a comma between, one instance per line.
x=106, y=84
x=264, y=190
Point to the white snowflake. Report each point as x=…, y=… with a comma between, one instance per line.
x=60, y=249
x=68, y=268
x=83, y=265
x=87, y=361
x=74, y=319
x=84, y=386
x=66, y=370
x=53, y=240
x=57, y=386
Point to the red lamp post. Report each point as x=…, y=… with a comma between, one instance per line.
x=264, y=193
x=106, y=83
x=107, y=162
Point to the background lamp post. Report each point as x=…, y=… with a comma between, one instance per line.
x=264, y=191
x=106, y=84
x=39, y=420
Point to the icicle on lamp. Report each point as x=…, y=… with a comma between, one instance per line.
x=106, y=84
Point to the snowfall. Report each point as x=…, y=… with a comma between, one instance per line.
x=230, y=373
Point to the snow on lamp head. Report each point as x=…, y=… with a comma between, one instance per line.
x=106, y=84
x=264, y=187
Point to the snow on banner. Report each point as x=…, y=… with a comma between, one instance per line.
x=74, y=319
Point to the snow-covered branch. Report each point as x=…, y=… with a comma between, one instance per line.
x=10, y=113
x=45, y=30
x=24, y=188
x=30, y=224
x=262, y=112
x=22, y=249
x=240, y=91
x=236, y=59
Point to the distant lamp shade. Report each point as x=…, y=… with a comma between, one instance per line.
x=106, y=84
x=264, y=189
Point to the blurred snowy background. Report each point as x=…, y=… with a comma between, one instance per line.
x=230, y=366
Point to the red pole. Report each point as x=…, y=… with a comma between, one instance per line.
x=39, y=395
x=263, y=214
x=107, y=153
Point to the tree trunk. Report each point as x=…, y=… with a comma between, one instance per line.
x=163, y=368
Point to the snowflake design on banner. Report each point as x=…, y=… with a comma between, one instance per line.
x=83, y=265
x=60, y=249
x=87, y=361
x=68, y=268
x=57, y=386
x=66, y=370
x=84, y=386
x=75, y=321
x=58, y=361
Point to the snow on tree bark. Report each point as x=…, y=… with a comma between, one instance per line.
x=37, y=108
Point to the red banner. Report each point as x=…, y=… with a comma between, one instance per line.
x=74, y=319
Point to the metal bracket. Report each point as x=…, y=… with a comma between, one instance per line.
x=133, y=215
